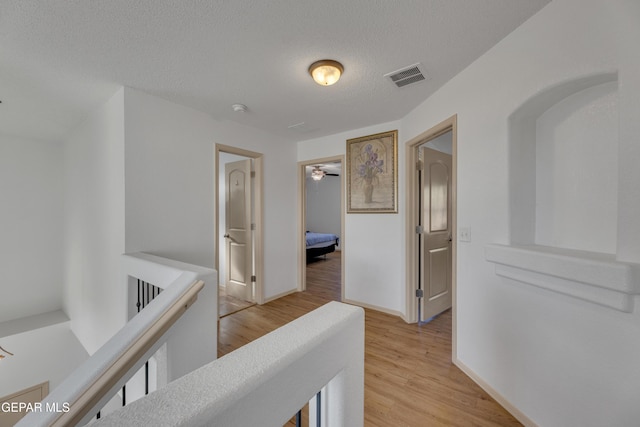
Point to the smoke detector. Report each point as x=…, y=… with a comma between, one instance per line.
x=239, y=108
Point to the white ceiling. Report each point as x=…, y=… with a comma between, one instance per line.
x=60, y=58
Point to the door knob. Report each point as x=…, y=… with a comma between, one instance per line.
x=226, y=236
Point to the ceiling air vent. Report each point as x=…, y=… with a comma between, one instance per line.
x=406, y=76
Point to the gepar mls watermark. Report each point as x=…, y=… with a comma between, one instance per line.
x=19, y=407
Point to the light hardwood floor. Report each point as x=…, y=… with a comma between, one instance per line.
x=228, y=304
x=409, y=377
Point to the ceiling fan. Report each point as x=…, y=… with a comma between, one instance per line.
x=2, y=356
x=317, y=174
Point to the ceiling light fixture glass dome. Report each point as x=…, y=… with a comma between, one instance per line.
x=326, y=72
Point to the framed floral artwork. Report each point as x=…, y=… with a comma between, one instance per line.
x=372, y=173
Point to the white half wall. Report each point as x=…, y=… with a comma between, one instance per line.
x=374, y=243
x=94, y=297
x=31, y=259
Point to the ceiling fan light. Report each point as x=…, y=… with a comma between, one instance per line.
x=317, y=174
x=2, y=350
x=326, y=72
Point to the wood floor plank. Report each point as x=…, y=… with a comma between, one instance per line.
x=228, y=304
x=409, y=377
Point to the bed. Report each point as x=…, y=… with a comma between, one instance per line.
x=319, y=244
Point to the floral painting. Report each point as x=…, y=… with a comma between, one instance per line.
x=372, y=178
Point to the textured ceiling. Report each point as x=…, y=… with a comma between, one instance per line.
x=60, y=58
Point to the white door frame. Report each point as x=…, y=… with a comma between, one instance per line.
x=411, y=215
x=258, y=213
x=302, y=219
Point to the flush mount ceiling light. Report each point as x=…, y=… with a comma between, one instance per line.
x=326, y=72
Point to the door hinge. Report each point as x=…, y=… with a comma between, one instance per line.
x=419, y=293
x=419, y=165
x=253, y=278
x=253, y=174
x=419, y=229
x=253, y=226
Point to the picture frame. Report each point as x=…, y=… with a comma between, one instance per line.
x=372, y=173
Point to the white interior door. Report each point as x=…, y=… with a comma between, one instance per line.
x=238, y=235
x=435, y=262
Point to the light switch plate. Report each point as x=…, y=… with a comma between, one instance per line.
x=465, y=234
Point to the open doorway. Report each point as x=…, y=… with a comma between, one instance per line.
x=431, y=224
x=238, y=229
x=322, y=240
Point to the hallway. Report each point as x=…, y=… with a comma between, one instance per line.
x=409, y=377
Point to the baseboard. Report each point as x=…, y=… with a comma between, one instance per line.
x=374, y=307
x=526, y=421
x=275, y=297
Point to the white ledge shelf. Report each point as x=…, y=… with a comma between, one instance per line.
x=593, y=277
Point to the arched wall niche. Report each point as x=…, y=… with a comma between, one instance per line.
x=563, y=161
x=563, y=189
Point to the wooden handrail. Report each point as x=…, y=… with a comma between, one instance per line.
x=134, y=352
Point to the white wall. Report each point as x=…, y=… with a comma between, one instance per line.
x=323, y=206
x=373, y=243
x=139, y=177
x=443, y=143
x=577, y=171
x=169, y=180
x=94, y=224
x=559, y=360
x=31, y=214
x=170, y=186
x=44, y=354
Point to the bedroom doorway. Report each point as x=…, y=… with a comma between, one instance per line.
x=239, y=256
x=321, y=219
x=431, y=223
